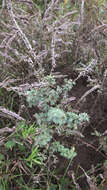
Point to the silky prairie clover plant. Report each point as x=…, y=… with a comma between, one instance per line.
x=52, y=117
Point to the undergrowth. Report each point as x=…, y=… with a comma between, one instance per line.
x=37, y=115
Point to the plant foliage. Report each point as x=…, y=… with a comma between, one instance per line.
x=37, y=39
x=53, y=117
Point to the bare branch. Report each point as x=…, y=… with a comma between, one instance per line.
x=9, y=114
x=3, y=6
x=50, y=8
x=53, y=51
x=82, y=11
x=23, y=88
x=21, y=34
x=89, y=181
x=88, y=92
x=7, y=130
x=74, y=181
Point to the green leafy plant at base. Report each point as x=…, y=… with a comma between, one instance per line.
x=34, y=157
x=19, y=157
x=65, y=152
x=26, y=130
x=31, y=146
x=53, y=116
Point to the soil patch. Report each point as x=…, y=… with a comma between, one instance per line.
x=89, y=153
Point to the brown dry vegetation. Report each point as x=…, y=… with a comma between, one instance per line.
x=64, y=40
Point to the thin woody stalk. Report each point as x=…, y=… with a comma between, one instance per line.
x=22, y=35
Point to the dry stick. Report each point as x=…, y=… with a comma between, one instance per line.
x=94, y=148
x=25, y=87
x=98, y=28
x=74, y=181
x=3, y=6
x=82, y=11
x=26, y=1
x=21, y=34
x=8, y=81
x=9, y=114
x=9, y=57
x=53, y=51
x=8, y=45
x=51, y=7
x=88, y=92
x=89, y=181
x=6, y=130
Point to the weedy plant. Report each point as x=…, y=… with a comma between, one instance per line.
x=40, y=36
x=53, y=116
x=19, y=160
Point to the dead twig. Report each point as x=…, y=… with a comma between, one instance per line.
x=9, y=114
x=88, y=92
x=6, y=130
x=89, y=181
x=22, y=35
x=82, y=11
x=74, y=181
